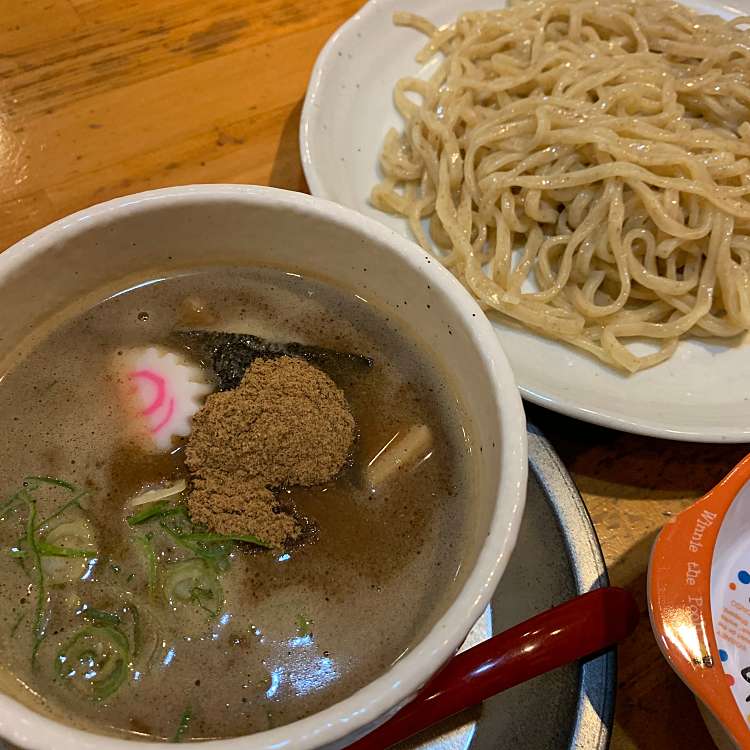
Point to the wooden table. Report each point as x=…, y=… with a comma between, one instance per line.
x=99, y=98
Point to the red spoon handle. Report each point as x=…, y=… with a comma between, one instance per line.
x=580, y=627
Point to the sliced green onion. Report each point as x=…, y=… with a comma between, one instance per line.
x=99, y=615
x=148, y=548
x=65, y=550
x=71, y=503
x=214, y=549
x=193, y=581
x=74, y=536
x=65, y=506
x=15, y=502
x=95, y=661
x=51, y=550
x=182, y=727
x=203, y=598
x=22, y=497
x=209, y=538
x=42, y=553
x=137, y=631
x=40, y=605
x=180, y=521
x=32, y=483
x=304, y=625
x=180, y=528
x=18, y=621
x=153, y=511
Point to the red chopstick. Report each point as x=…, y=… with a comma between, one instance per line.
x=578, y=628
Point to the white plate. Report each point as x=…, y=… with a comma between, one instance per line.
x=702, y=393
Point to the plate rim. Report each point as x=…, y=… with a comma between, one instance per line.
x=598, y=416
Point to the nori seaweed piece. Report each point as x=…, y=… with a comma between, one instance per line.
x=230, y=354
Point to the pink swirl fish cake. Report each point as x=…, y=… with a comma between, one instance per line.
x=161, y=393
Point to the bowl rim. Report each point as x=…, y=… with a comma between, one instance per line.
x=378, y=699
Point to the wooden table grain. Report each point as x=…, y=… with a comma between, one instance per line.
x=100, y=98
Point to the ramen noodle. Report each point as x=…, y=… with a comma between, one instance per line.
x=582, y=168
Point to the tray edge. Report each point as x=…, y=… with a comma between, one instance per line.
x=598, y=679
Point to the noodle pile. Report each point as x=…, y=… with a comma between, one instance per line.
x=585, y=169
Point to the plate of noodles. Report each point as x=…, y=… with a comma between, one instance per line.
x=583, y=168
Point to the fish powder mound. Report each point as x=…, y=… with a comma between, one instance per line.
x=286, y=424
x=227, y=506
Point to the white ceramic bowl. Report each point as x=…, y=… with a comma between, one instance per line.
x=141, y=236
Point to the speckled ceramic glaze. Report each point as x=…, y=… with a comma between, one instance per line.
x=141, y=236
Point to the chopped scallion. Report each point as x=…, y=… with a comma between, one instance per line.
x=53, y=550
x=99, y=615
x=184, y=724
x=40, y=606
x=153, y=511
x=151, y=569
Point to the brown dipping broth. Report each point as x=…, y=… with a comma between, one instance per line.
x=296, y=632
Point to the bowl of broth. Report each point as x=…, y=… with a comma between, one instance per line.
x=128, y=612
